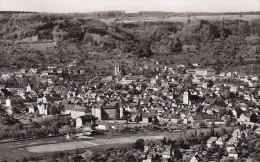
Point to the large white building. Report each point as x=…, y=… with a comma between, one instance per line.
x=97, y=113
x=202, y=72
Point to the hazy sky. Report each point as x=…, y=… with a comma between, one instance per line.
x=130, y=5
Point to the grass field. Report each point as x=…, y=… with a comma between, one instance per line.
x=87, y=144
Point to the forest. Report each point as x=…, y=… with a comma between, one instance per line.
x=229, y=43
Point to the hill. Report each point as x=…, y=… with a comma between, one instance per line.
x=33, y=39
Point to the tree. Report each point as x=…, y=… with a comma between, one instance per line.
x=177, y=154
x=254, y=118
x=228, y=122
x=139, y=144
x=155, y=121
x=163, y=141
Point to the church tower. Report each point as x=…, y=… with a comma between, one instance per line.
x=117, y=70
x=28, y=88
x=186, y=100
x=8, y=103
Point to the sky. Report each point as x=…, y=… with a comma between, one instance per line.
x=71, y=6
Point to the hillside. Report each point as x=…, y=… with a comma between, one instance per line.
x=33, y=39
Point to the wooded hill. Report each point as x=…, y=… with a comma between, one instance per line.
x=210, y=42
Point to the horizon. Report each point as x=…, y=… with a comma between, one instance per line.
x=134, y=6
x=20, y=11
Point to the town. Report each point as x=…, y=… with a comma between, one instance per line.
x=137, y=98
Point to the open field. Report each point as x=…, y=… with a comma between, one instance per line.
x=186, y=18
x=87, y=144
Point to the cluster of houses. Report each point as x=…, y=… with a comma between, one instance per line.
x=231, y=142
x=179, y=95
x=189, y=97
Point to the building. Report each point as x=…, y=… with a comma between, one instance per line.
x=257, y=131
x=195, y=158
x=117, y=70
x=96, y=111
x=107, y=112
x=220, y=141
x=210, y=141
x=8, y=103
x=42, y=108
x=205, y=72
x=121, y=112
x=186, y=98
x=131, y=79
x=77, y=113
x=175, y=119
x=233, y=154
x=244, y=117
x=32, y=110
x=87, y=120
x=110, y=112
x=28, y=88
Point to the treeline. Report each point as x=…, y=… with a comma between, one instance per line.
x=12, y=129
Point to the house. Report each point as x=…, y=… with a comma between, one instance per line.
x=220, y=141
x=233, y=89
x=195, y=158
x=229, y=147
x=9, y=111
x=33, y=70
x=87, y=120
x=167, y=154
x=244, y=117
x=233, y=141
x=237, y=133
x=42, y=108
x=204, y=85
x=257, y=131
x=32, y=110
x=146, y=118
x=233, y=154
x=175, y=119
x=77, y=113
x=44, y=73
x=210, y=141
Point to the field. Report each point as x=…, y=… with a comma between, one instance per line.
x=87, y=144
x=184, y=19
